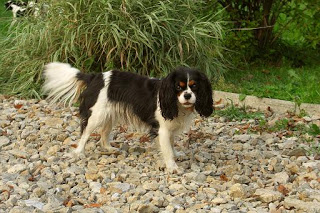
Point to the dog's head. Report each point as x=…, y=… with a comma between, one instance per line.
x=187, y=87
x=8, y=4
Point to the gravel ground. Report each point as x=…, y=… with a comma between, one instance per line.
x=226, y=168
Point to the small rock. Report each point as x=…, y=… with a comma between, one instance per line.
x=295, y=152
x=34, y=203
x=201, y=178
x=237, y=146
x=53, y=150
x=313, y=165
x=146, y=208
x=176, y=187
x=219, y=200
x=242, y=138
x=95, y=186
x=237, y=191
x=243, y=179
x=54, y=122
x=307, y=118
x=117, y=187
x=19, y=153
x=17, y=168
x=301, y=205
x=267, y=195
x=4, y=141
x=92, y=176
x=281, y=177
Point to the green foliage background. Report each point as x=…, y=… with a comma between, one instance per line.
x=147, y=37
x=252, y=47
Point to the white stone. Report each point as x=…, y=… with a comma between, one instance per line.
x=268, y=195
x=17, y=168
x=281, y=177
x=95, y=186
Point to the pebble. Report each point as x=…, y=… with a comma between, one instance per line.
x=226, y=169
x=237, y=191
x=268, y=195
x=242, y=138
x=4, y=141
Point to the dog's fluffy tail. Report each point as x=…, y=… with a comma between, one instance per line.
x=62, y=83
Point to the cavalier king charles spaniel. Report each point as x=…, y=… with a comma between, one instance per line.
x=164, y=107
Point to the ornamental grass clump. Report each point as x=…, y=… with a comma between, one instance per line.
x=146, y=37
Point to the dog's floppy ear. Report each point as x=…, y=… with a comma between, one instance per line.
x=204, y=101
x=168, y=97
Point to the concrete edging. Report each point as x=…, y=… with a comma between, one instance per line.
x=278, y=106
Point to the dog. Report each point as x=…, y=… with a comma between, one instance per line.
x=21, y=8
x=18, y=8
x=165, y=107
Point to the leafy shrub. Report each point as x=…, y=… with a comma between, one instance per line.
x=146, y=37
x=273, y=31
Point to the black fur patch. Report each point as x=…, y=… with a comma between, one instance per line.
x=94, y=83
x=136, y=93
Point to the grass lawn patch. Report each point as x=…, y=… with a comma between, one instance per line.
x=300, y=85
x=5, y=19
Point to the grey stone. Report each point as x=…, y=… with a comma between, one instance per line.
x=242, y=138
x=4, y=141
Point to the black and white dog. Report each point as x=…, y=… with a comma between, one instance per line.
x=22, y=8
x=164, y=107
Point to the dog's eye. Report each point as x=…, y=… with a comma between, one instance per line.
x=178, y=87
x=193, y=86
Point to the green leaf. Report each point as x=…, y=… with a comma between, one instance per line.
x=242, y=97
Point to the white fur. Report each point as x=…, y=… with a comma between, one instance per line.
x=168, y=130
x=184, y=102
x=61, y=83
x=16, y=9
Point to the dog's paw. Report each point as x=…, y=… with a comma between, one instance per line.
x=73, y=155
x=108, y=150
x=173, y=168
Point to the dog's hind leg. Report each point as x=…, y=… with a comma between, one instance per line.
x=104, y=132
x=94, y=122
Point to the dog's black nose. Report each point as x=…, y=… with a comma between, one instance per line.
x=187, y=96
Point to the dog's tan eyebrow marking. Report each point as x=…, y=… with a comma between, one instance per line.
x=192, y=82
x=182, y=84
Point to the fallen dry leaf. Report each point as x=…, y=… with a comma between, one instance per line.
x=102, y=190
x=92, y=205
x=31, y=178
x=18, y=106
x=245, y=127
x=218, y=102
x=95, y=135
x=122, y=129
x=74, y=145
x=283, y=190
x=129, y=136
x=223, y=177
x=68, y=202
x=144, y=139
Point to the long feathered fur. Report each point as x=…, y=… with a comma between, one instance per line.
x=61, y=83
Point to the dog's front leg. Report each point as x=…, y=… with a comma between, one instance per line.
x=167, y=151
